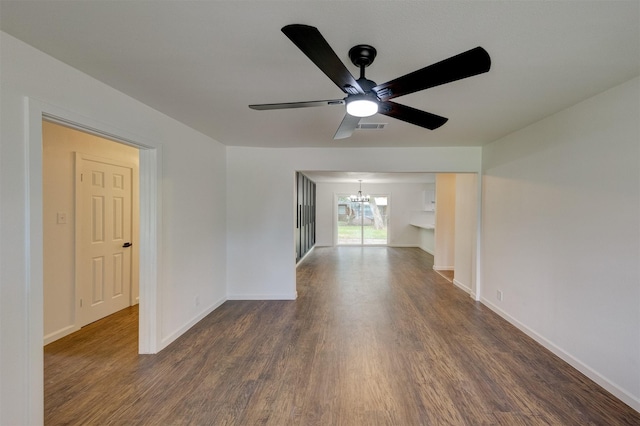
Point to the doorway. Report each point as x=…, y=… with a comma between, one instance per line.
x=82, y=216
x=150, y=234
x=362, y=221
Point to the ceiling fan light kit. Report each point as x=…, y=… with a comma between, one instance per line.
x=366, y=98
x=362, y=105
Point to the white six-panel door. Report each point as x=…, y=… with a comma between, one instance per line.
x=103, y=237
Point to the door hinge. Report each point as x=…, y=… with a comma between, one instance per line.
x=81, y=177
x=81, y=303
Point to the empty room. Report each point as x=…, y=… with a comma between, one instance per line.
x=338, y=212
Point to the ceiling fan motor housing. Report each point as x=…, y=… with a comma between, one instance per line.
x=362, y=55
x=366, y=85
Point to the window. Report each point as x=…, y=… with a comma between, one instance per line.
x=362, y=223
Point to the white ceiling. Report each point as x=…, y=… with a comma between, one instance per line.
x=203, y=62
x=348, y=177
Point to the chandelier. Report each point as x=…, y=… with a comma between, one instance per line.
x=359, y=198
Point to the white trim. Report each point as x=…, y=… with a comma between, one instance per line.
x=150, y=234
x=618, y=392
x=334, y=220
x=443, y=268
x=305, y=255
x=463, y=287
x=179, y=332
x=52, y=337
x=477, y=282
x=34, y=112
x=254, y=296
x=34, y=263
x=60, y=116
x=425, y=250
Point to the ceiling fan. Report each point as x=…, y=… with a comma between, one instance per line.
x=365, y=97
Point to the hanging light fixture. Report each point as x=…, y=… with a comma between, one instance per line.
x=359, y=198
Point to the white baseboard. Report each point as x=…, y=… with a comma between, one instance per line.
x=462, y=286
x=616, y=390
x=443, y=268
x=249, y=296
x=59, y=334
x=166, y=341
x=426, y=250
x=305, y=255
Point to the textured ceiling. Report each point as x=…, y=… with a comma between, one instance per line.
x=203, y=62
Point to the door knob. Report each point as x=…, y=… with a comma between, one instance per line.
x=125, y=245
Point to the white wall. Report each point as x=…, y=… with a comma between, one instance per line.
x=260, y=232
x=404, y=200
x=465, y=238
x=561, y=233
x=444, y=256
x=260, y=204
x=427, y=220
x=59, y=145
x=192, y=231
x=427, y=240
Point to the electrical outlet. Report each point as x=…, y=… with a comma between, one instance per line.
x=499, y=295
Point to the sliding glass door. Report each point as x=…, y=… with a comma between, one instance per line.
x=362, y=222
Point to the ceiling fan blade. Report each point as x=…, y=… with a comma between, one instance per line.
x=313, y=44
x=288, y=105
x=472, y=62
x=411, y=115
x=346, y=128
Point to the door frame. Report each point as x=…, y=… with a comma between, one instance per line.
x=150, y=234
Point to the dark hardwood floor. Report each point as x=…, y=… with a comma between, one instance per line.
x=376, y=337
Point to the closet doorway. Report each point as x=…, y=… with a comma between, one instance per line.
x=90, y=228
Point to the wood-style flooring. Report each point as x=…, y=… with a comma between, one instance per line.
x=376, y=337
x=446, y=274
